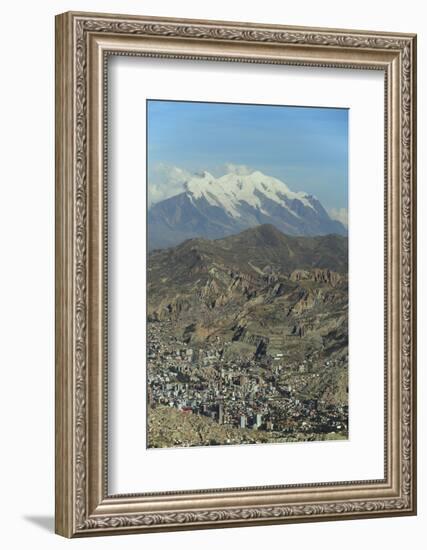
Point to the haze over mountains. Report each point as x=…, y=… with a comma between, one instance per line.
x=213, y=208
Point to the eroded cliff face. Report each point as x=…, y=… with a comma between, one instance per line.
x=317, y=275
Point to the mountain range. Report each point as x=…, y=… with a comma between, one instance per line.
x=213, y=208
x=259, y=286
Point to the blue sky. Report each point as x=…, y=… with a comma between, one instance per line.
x=305, y=147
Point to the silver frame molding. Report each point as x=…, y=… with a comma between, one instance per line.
x=83, y=43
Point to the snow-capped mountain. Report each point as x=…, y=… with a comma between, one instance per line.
x=213, y=208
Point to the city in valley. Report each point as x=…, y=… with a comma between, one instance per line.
x=266, y=394
x=247, y=340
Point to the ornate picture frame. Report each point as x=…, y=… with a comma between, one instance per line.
x=84, y=42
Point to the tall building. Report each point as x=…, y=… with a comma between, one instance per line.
x=220, y=400
x=221, y=412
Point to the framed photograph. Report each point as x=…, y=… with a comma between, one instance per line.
x=235, y=274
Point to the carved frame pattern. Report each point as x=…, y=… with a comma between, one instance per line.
x=74, y=515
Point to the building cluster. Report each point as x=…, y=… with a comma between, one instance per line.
x=254, y=394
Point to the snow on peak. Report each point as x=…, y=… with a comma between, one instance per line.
x=232, y=189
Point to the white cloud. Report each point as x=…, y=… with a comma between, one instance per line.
x=339, y=214
x=241, y=169
x=166, y=181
